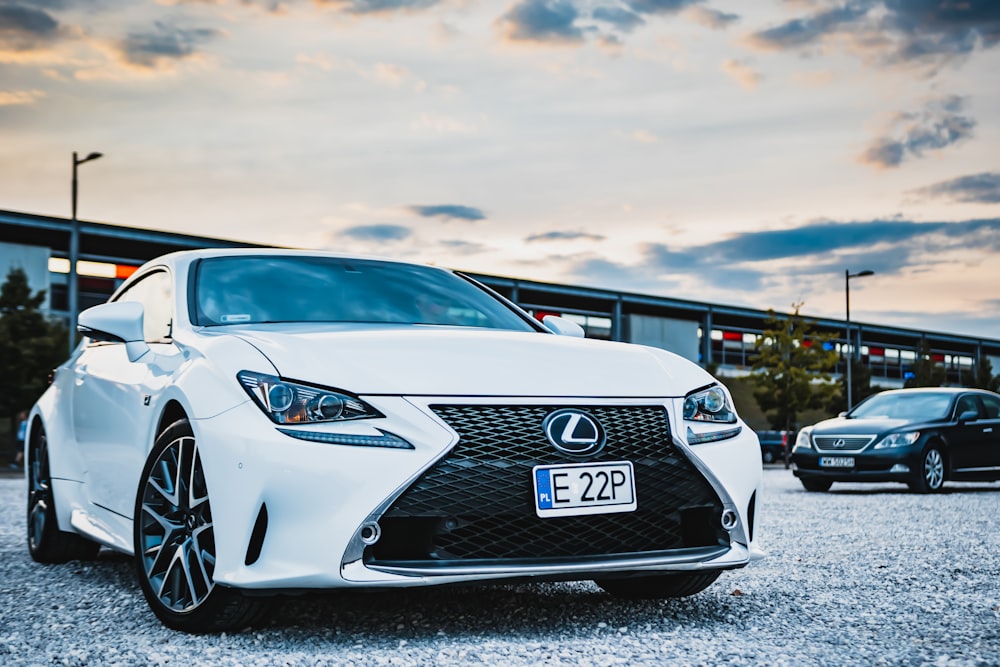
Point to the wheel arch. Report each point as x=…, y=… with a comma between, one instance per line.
x=173, y=411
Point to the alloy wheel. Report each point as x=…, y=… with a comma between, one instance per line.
x=175, y=531
x=933, y=469
x=39, y=492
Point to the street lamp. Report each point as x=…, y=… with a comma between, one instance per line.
x=850, y=344
x=74, y=254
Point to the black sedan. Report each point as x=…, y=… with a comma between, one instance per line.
x=922, y=437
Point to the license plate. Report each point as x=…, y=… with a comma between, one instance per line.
x=836, y=462
x=573, y=489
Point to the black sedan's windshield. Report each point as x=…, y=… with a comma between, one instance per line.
x=286, y=288
x=910, y=406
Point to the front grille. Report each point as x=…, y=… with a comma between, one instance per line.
x=477, y=503
x=842, y=443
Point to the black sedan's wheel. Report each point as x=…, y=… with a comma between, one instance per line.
x=46, y=543
x=768, y=456
x=175, y=542
x=662, y=586
x=818, y=485
x=931, y=472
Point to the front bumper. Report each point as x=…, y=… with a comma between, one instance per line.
x=869, y=465
x=319, y=496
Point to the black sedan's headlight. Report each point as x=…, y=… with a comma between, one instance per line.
x=287, y=402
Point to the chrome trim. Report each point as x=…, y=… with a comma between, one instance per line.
x=815, y=444
x=693, y=559
x=983, y=469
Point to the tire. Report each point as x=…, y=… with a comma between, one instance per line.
x=175, y=547
x=768, y=456
x=932, y=471
x=662, y=586
x=46, y=543
x=817, y=485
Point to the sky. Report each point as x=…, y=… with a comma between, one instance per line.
x=736, y=152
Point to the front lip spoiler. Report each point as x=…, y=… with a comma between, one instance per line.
x=700, y=558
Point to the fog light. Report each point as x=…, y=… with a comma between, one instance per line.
x=899, y=467
x=729, y=519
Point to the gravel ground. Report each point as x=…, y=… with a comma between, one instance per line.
x=863, y=575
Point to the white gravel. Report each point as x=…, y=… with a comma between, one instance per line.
x=863, y=575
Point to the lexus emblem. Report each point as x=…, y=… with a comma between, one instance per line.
x=574, y=432
x=839, y=443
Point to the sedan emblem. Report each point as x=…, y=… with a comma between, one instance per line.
x=574, y=432
x=839, y=443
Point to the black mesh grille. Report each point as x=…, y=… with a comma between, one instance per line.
x=477, y=503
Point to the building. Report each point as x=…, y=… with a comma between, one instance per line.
x=711, y=334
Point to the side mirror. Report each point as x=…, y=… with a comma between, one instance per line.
x=968, y=416
x=119, y=322
x=562, y=326
x=842, y=414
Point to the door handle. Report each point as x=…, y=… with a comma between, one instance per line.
x=988, y=430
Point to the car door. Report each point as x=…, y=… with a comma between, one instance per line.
x=989, y=433
x=965, y=437
x=112, y=396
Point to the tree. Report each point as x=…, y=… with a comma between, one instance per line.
x=31, y=345
x=791, y=368
x=924, y=371
x=861, y=387
x=981, y=377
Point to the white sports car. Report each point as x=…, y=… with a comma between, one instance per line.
x=254, y=422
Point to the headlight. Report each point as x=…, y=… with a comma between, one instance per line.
x=294, y=403
x=897, y=440
x=709, y=405
x=802, y=440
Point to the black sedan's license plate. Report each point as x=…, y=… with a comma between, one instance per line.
x=836, y=462
x=572, y=489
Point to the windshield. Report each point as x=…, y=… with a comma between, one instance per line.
x=256, y=289
x=913, y=407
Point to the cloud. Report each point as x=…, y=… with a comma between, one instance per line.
x=821, y=248
x=546, y=21
x=459, y=247
x=20, y=97
x=449, y=212
x=621, y=18
x=938, y=125
x=981, y=188
x=660, y=6
x=380, y=233
x=742, y=73
x=924, y=33
x=712, y=18
x=377, y=6
x=163, y=44
x=442, y=124
x=563, y=236
x=24, y=28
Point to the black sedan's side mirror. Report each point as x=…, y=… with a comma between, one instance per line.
x=968, y=416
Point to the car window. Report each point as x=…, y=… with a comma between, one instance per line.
x=992, y=405
x=911, y=406
x=156, y=296
x=246, y=290
x=966, y=403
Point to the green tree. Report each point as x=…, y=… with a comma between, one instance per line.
x=791, y=368
x=925, y=371
x=981, y=377
x=861, y=387
x=31, y=345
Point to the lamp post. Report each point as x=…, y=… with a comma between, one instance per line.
x=74, y=254
x=850, y=343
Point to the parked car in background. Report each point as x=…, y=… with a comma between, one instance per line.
x=774, y=445
x=922, y=437
x=252, y=422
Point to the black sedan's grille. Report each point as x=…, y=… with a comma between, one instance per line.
x=477, y=503
x=842, y=443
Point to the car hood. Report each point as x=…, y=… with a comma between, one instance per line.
x=841, y=426
x=442, y=361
